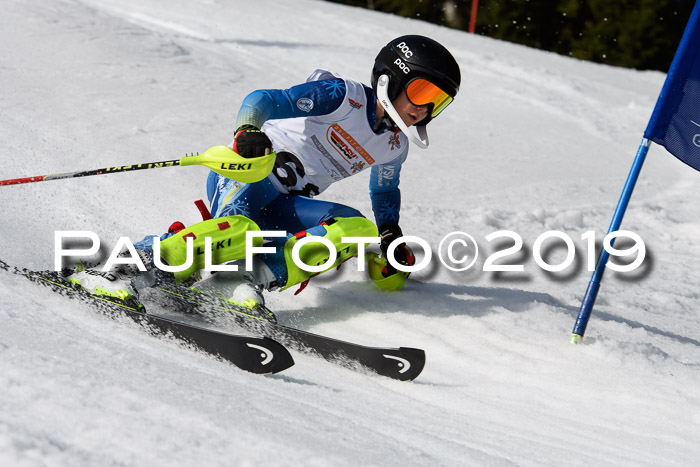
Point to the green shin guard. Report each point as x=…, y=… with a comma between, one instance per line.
x=316, y=253
x=228, y=237
x=391, y=283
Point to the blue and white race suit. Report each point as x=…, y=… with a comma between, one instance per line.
x=323, y=132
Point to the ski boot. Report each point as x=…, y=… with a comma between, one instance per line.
x=233, y=287
x=127, y=278
x=112, y=285
x=120, y=284
x=237, y=289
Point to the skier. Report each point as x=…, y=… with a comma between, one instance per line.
x=324, y=130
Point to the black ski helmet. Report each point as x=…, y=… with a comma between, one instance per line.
x=408, y=57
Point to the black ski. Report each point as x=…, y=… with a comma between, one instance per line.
x=254, y=354
x=403, y=363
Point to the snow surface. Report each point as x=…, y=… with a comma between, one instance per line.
x=534, y=142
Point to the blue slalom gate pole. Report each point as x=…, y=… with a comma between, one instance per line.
x=584, y=313
x=673, y=125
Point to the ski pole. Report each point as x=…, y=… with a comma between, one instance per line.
x=221, y=159
x=87, y=173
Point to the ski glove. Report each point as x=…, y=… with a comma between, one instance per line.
x=402, y=253
x=251, y=142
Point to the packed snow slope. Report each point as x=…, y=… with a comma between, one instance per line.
x=534, y=142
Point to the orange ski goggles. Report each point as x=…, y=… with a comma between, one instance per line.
x=422, y=92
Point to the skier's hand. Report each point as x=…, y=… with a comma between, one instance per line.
x=402, y=253
x=251, y=142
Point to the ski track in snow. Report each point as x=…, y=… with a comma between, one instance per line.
x=534, y=142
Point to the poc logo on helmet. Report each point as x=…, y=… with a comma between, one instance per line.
x=405, y=50
x=398, y=62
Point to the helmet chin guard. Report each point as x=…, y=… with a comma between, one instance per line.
x=421, y=138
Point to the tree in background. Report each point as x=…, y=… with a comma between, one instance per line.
x=640, y=34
